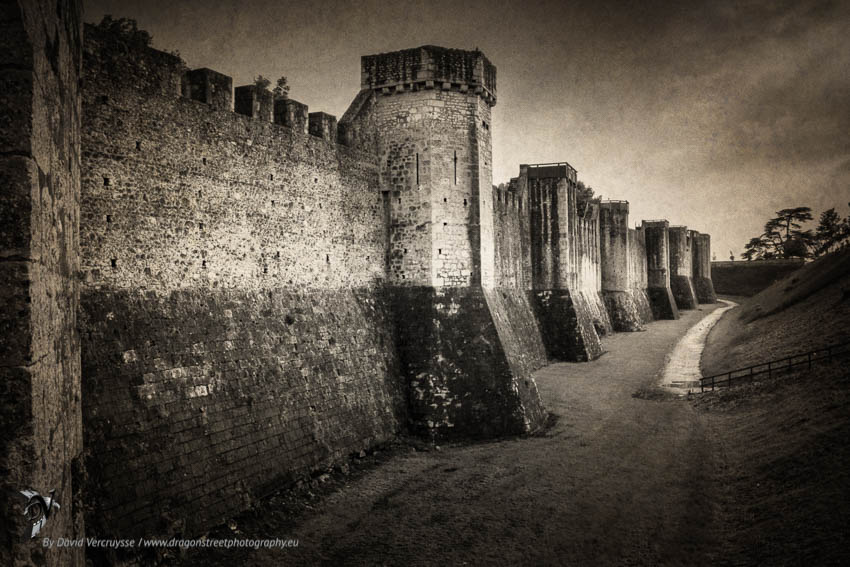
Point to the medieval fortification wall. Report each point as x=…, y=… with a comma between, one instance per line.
x=235, y=330
x=213, y=292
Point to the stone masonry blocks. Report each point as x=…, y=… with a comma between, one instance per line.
x=255, y=102
x=701, y=265
x=658, y=270
x=210, y=87
x=41, y=441
x=293, y=114
x=462, y=381
x=681, y=272
x=616, y=270
x=323, y=126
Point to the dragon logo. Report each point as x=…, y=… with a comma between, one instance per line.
x=38, y=510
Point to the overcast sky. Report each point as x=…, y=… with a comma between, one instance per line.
x=712, y=116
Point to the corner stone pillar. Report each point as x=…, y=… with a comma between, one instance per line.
x=40, y=415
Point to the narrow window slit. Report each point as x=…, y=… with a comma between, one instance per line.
x=455, y=160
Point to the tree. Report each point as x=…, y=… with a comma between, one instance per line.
x=583, y=197
x=262, y=83
x=758, y=248
x=125, y=29
x=784, y=230
x=281, y=90
x=783, y=237
x=829, y=231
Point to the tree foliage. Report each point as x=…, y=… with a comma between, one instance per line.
x=784, y=236
x=126, y=29
x=584, y=196
x=281, y=89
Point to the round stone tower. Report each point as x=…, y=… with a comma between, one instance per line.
x=432, y=116
x=468, y=372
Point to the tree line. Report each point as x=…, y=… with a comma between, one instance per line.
x=784, y=236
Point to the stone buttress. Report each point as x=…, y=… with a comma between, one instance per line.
x=562, y=261
x=658, y=270
x=624, y=294
x=681, y=281
x=701, y=264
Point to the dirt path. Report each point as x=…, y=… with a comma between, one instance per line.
x=617, y=480
x=682, y=372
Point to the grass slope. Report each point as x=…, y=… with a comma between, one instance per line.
x=783, y=445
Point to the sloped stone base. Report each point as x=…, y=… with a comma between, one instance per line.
x=567, y=325
x=598, y=312
x=704, y=288
x=662, y=302
x=624, y=311
x=467, y=357
x=683, y=292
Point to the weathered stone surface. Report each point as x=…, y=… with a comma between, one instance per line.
x=236, y=332
x=704, y=289
x=198, y=401
x=624, y=312
x=663, y=303
x=657, y=243
x=703, y=285
x=681, y=267
x=466, y=379
x=566, y=322
x=40, y=418
x=683, y=292
x=623, y=268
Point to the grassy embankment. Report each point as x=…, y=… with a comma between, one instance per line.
x=783, y=444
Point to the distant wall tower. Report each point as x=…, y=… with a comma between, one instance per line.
x=468, y=370
x=701, y=263
x=619, y=287
x=658, y=269
x=681, y=268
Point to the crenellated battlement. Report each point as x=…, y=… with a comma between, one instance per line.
x=156, y=73
x=429, y=67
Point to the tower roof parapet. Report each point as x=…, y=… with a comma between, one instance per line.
x=430, y=67
x=555, y=170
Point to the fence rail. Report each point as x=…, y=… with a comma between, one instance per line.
x=776, y=366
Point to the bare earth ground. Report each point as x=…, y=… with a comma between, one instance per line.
x=617, y=479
